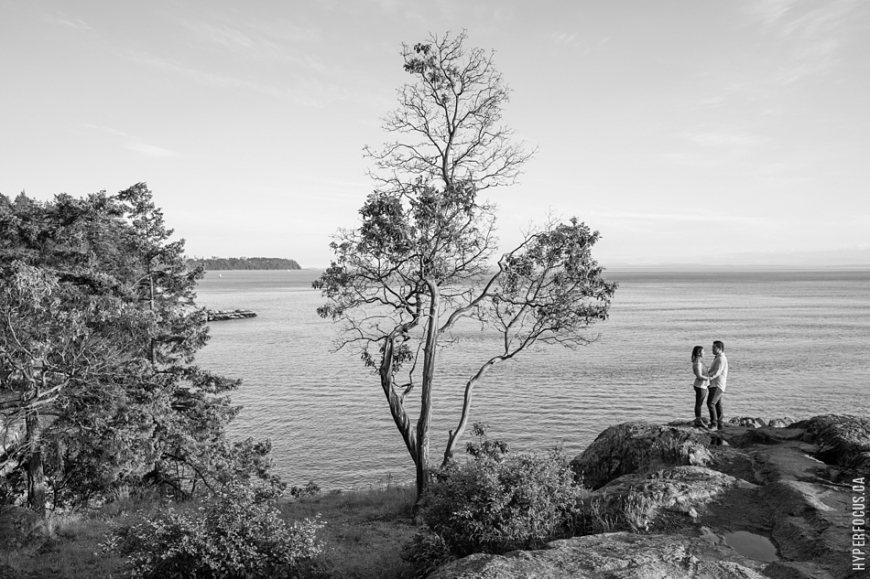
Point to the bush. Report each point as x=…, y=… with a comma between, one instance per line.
x=631, y=512
x=426, y=552
x=237, y=534
x=498, y=502
x=311, y=489
x=486, y=448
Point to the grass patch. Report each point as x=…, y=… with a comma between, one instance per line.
x=70, y=551
x=363, y=537
x=364, y=533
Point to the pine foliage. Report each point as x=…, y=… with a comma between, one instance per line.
x=98, y=332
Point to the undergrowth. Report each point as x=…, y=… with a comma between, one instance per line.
x=362, y=535
x=495, y=502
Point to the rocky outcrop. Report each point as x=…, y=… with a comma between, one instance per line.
x=760, y=422
x=841, y=440
x=222, y=315
x=637, y=447
x=687, y=492
x=663, y=498
x=610, y=556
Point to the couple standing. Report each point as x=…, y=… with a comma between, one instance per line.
x=710, y=383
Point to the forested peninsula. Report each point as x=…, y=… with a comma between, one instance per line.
x=223, y=263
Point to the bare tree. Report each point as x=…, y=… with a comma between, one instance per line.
x=449, y=121
x=421, y=260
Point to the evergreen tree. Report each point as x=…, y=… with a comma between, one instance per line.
x=97, y=341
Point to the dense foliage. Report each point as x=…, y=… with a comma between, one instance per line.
x=496, y=502
x=235, y=535
x=225, y=263
x=98, y=331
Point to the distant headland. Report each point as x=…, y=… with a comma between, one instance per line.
x=223, y=263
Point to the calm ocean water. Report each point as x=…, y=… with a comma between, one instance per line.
x=797, y=344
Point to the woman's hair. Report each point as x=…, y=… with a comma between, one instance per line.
x=696, y=352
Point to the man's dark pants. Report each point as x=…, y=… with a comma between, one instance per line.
x=714, y=405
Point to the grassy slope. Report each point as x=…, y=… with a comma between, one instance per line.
x=363, y=538
x=364, y=532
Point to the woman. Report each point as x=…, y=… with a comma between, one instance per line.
x=701, y=382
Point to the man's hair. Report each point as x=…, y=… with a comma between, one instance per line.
x=719, y=345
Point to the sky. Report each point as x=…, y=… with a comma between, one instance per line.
x=693, y=132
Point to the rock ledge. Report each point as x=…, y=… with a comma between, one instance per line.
x=687, y=491
x=222, y=315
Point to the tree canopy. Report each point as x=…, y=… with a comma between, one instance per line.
x=98, y=331
x=423, y=257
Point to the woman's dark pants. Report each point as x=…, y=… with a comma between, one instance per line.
x=700, y=394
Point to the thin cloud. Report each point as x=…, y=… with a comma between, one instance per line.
x=563, y=38
x=77, y=23
x=258, y=39
x=203, y=76
x=680, y=157
x=769, y=11
x=814, y=37
x=224, y=36
x=221, y=80
x=795, y=41
x=151, y=150
x=107, y=130
x=306, y=91
x=388, y=5
x=723, y=139
x=505, y=13
x=286, y=31
x=725, y=88
x=262, y=43
x=135, y=144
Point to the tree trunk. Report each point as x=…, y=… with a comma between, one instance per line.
x=151, y=347
x=397, y=408
x=35, y=472
x=453, y=436
x=426, y=393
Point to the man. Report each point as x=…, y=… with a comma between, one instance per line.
x=718, y=374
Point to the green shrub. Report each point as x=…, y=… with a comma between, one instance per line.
x=236, y=534
x=311, y=489
x=485, y=448
x=426, y=552
x=632, y=511
x=499, y=502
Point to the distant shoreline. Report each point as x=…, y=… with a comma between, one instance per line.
x=243, y=263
